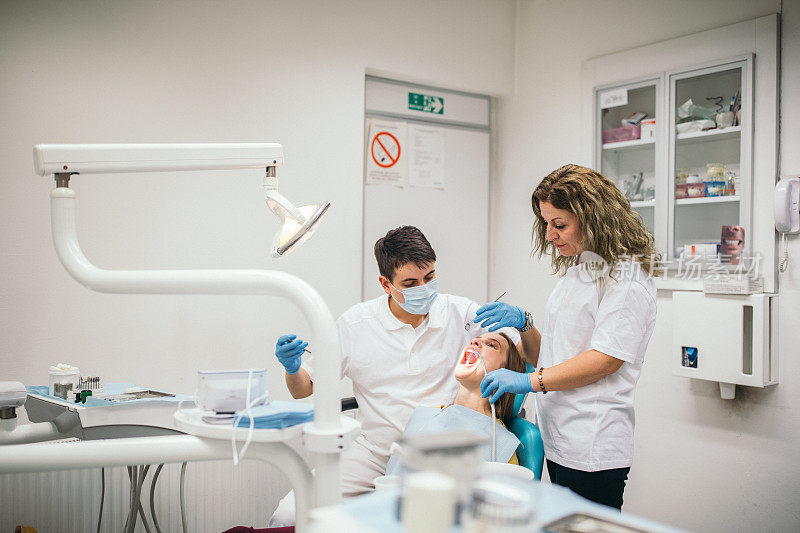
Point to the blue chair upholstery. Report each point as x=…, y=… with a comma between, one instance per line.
x=530, y=452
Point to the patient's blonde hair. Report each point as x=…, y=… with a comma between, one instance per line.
x=504, y=406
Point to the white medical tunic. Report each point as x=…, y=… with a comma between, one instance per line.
x=591, y=428
x=396, y=367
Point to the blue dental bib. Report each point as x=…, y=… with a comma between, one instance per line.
x=457, y=418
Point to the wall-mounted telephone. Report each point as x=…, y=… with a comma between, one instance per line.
x=787, y=205
x=787, y=212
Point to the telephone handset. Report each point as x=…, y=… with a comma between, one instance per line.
x=787, y=212
x=787, y=205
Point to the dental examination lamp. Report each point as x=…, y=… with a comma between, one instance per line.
x=322, y=437
x=297, y=223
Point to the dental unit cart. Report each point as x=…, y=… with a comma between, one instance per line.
x=325, y=438
x=143, y=414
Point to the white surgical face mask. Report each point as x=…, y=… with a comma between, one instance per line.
x=419, y=299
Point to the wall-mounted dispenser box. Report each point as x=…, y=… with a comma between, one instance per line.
x=731, y=339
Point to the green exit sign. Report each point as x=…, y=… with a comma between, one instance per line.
x=426, y=103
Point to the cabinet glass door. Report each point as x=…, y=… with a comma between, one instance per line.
x=710, y=164
x=627, y=148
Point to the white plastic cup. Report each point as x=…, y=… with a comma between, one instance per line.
x=429, y=500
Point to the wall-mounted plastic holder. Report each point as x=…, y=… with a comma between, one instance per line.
x=730, y=339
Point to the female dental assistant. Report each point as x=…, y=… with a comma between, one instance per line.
x=595, y=330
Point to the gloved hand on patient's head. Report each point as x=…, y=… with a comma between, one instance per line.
x=289, y=350
x=498, y=382
x=500, y=315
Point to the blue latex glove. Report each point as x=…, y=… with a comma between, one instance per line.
x=498, y=382
x=289, y=350
x=500, y=315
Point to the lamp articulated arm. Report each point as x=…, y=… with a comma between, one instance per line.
x=278, y=203
x=245, y=282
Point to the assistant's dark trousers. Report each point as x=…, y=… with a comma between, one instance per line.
x=604, y=486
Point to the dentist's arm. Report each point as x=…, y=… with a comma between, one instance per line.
x=300, y=384
x=496, y=315
x=579, y=371
x=289, y=350
x=530, y=344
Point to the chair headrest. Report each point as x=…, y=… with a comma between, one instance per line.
x=520, y=398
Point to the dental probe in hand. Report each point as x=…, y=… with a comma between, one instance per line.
x=470, y=322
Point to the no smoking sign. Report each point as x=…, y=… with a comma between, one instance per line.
x=385, y=164
x=385, y=149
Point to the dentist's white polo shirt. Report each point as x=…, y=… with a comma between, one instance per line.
x=395, y=367
x=591, y=428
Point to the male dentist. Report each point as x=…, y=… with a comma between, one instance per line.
x=399, y=350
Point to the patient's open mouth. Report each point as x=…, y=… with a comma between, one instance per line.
x=470, y=357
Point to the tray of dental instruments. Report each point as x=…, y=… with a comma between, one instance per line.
x=587, y=523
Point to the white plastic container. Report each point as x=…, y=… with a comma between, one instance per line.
x=648, y=128
x=429, y=502
x=225, y=391
x=699, y=251
x=64, y=374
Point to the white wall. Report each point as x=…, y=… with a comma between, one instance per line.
x=701, y=463
x=202, y=71
x=292, y=72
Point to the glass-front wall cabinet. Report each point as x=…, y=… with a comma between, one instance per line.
x=679, y=148
x=688, y=131
x=627, y=118
x=710, y=164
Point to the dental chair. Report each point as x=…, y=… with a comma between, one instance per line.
x=530, y=452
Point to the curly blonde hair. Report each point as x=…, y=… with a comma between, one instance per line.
x=609, y=226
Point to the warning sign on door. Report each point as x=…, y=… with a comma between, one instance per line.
x=386, y=158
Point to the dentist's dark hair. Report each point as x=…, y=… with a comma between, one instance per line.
x=401, y=246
